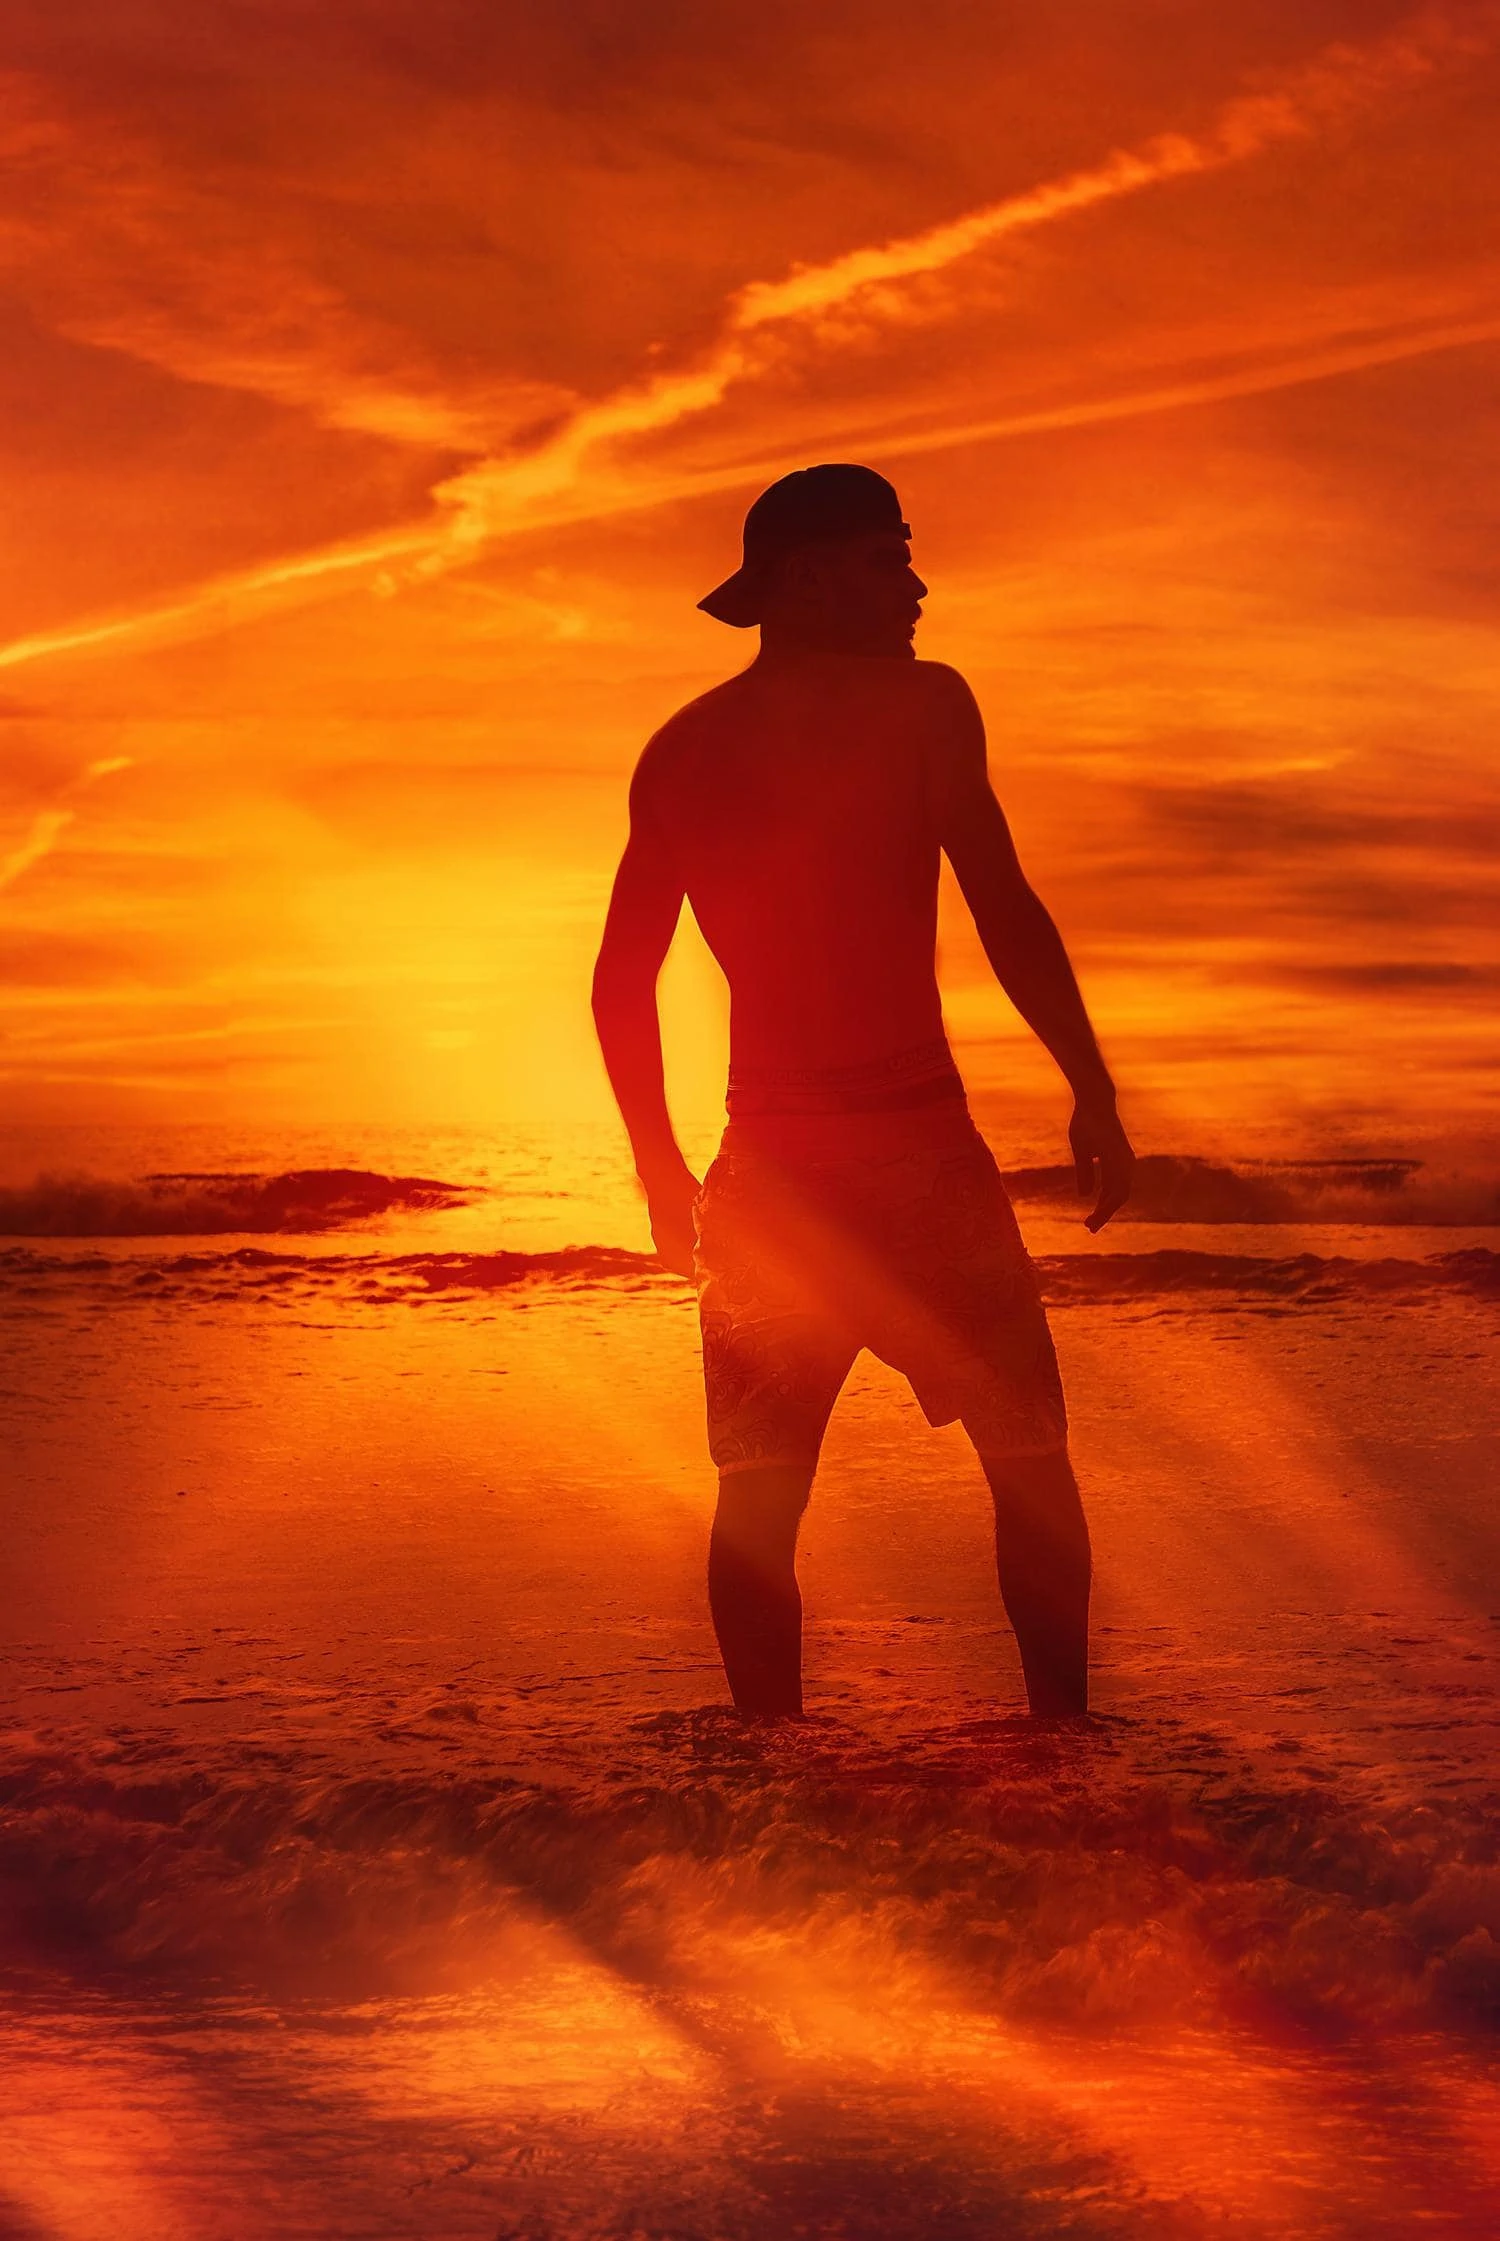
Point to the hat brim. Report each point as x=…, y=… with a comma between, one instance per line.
x=737, y=600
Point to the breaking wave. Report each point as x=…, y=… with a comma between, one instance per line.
x=1302, y=1278
x=252, y=1271
x=1168, y=1188
x=305, y=1199
x=1068, y=1279
x=1083, y=1880
x=1378, y=1193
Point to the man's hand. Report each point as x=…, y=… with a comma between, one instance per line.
x=1098, y=1139
x=669, y=1202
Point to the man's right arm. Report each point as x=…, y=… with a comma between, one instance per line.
x=643, y=913
x=1027, y=953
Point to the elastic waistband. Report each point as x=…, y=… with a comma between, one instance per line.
x=923, y=1077
x=796, y=1139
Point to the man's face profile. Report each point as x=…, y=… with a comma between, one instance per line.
x=859, y=592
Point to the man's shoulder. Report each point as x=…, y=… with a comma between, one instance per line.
x=950, y=720
x=929, y=693
x=926, y=693
x=676, y=747
x=942, y=685
x=697, y=720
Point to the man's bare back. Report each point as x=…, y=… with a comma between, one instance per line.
x=806, y=806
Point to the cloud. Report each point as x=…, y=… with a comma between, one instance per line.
x=590, y=465
x=1303, y=814
x=118, y=251
x=1302, y=878
x=52, y=958
x=48, y=825
x=1381, y=973
x=491, y=498
x=45, y=831
x=230, y=598
x=1256, y=380
x=546, y=490
x=1339, y=81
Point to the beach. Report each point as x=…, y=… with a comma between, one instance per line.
x=396, y=399
x=380, y=1854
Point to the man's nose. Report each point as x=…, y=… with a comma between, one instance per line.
x=917, y=585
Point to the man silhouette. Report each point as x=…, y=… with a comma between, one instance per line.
x=801, y=808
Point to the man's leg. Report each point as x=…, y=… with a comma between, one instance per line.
x=752, y=1587
x=1042, y=1556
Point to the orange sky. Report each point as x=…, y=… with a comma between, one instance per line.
x=384, y=383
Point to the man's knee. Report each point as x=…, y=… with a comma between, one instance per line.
x=1031, y=1478
x=764, y=1492
x=1037, y=1506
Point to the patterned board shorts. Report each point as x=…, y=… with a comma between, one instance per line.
x=808, y=1251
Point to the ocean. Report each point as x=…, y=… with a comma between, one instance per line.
x=379, y=1856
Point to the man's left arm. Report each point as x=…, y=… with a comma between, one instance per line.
x=1029, y=960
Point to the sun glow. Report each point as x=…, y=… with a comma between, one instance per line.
x=1186, y=552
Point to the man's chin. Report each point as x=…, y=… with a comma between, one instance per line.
x=901, y=645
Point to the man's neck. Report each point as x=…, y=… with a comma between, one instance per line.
x=782, y=644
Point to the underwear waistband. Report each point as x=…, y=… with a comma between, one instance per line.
x=922, y=1077
x=797, y=1139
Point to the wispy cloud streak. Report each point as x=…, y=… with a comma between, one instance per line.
x=490, y=497
x=46, y=829
x=227, y=599
x=113, y=250
x=583, y=469
x=48, y=825
x=1172, y=396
